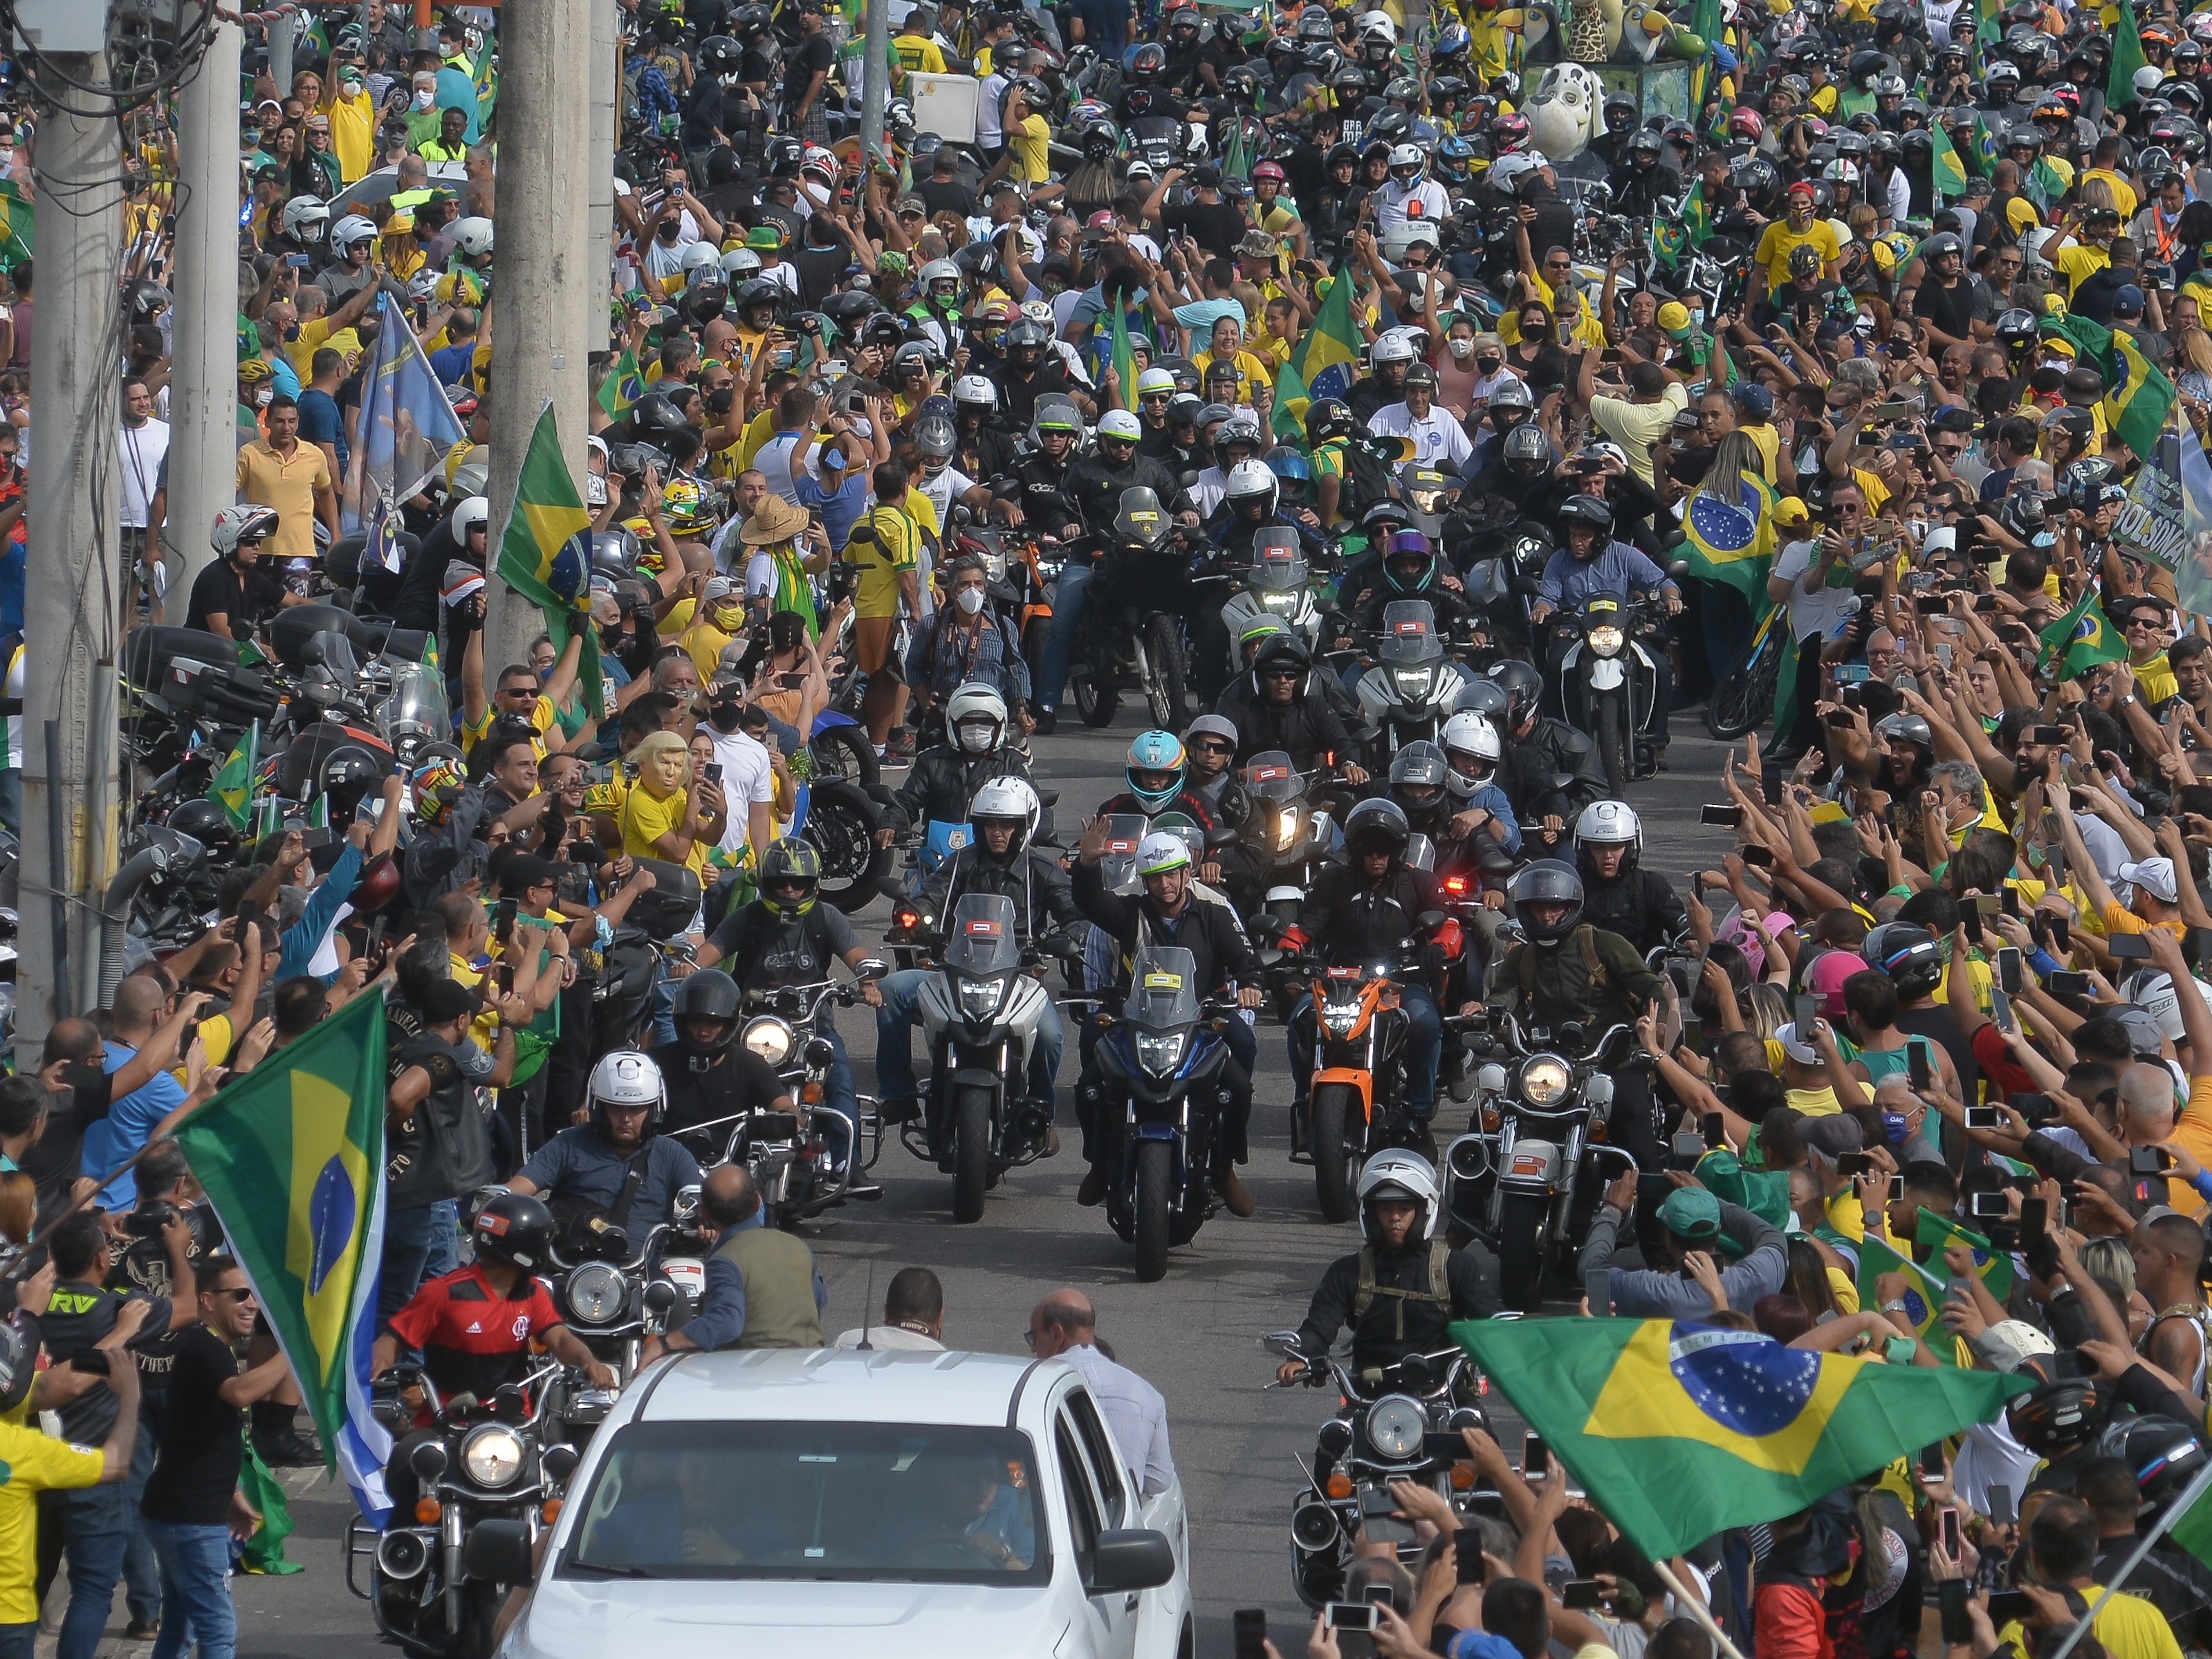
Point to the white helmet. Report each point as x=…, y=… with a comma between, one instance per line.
x=1041, y=311
x=975, y=389
x=1608, y=823
x=473, y=475
x=1391, y=347
x=1408, y=156
x=1469, y=733
x=1153, y=379
x=1003, y=799
x=937, y=270
x=305, y=218
x=1509, y=170
x=741, y=264
x=1400, y=1175
x=1251, y=480
x=975, y=719
x=699, y=256
x=473, y=237
x=1161, y=851
x=235, y=525
x=1378, y=22
x=351, y=232
x=1120, y=423
x=2152, y=990
x=626, y=1078
x=474, y=511
x=2148, y=79
x=2031, y=245
x=1840, y=172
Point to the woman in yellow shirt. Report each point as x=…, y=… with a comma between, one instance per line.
x=666, y=813
x=1228, y=346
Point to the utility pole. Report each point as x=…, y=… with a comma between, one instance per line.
x=204, y=375
x=538, y=339
x=281, y=34
x=72, y=615
x=875, y=86
x=599, y=228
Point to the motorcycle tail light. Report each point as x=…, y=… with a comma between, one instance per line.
x=1462, y=1477
x=1339, y=1484
x=428, y=1509
x=1454, y=885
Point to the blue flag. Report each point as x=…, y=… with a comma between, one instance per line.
x=407, y=421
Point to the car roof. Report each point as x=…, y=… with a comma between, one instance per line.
x=883, y=1385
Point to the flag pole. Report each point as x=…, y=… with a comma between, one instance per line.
x=1703, y=1614
x=2164, y=1524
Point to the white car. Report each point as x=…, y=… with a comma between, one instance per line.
x=825, y=1500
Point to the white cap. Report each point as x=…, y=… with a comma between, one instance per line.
x=1800, y=1050
x=1120, y=423
x=718, y=587
x=2011, y=1343
x=2155, y=876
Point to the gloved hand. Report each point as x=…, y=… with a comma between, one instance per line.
x=1293, y=940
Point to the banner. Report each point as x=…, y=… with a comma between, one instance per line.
x=408, y=426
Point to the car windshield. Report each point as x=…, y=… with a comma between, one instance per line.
x=813, y=1500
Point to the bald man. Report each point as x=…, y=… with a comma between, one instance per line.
x=1065, y=1326
x=761, y=1290
x=140, y=1002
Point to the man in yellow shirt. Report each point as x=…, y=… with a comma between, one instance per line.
x=2147, y=626
x=1028, y=138
x=1797, y=228
x=2091, y=232
x=2062, y=1555
x=720, y=617
x=519, y=696
x=914, y=48
x=293, y=478
x=885, y=548
x=317, y=323
x=353, y=122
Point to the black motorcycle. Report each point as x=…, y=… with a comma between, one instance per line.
x=1609, y=680
x=1134, y=636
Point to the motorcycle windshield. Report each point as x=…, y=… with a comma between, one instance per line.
x=1420, y=852
x=1409, y=633
x=1124, y=832
x=983, y=938
x=1486, y=580
x=1180, y=824
x=1277, y=566
x=337, y=654
x=416, y=704
x=1270, y=776
x=1163, y=989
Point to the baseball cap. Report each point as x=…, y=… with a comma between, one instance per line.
x=1798, y=1050
x=718, y=587
x=1207, y=177
x=2128, y=300
x=1691, y=1213
x=1674, y=319
x=1832, y=1136
x=2011, y=1343
x=445, y=1000
x=2155, y=876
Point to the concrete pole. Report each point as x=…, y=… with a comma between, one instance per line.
x=599, y=229
x=281, y=34
x=875, y=82
x=72, y=618
x=204, y=379
x=539, y=341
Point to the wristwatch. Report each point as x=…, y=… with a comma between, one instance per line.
x=1895, y=1304
x=2128, y=701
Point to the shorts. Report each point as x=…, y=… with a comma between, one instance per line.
x=872, y=637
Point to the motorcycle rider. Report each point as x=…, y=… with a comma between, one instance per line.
x=1400, y=1291
x=1275, y=707
x=1004, y=859
x=1618, y=895
x=945, y=777
x=1361, y=911
x=1568, y=970
x=711, y=1077
x=1140, y=526
x=787, y=936
x=1592, y=562
x=1643, y=187
x=1411, y=570
x=616, y=1167
x=1158, y=774
x=1539, y=750
x=1169, y=912
x=1097, y=482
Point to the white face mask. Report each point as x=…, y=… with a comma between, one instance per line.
x=425, y=99
x=264, y=396
x=975, y=736
x=970, y=599
x=1462, y=349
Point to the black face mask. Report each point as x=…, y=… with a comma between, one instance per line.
x=725, y=716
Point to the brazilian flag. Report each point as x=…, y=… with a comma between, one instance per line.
x=1934, y=1234
x=1924, y=1295
x=292, y=1158
x=1950, y=169
x=545, y=554
x=623, y=386
x=2081, y=639
x=232, y=786
x=1732, y=542
x=1679, y=1431
x=16, y=213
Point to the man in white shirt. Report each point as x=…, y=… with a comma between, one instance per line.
x=1409, y=196
x=1065, y=1326
x=1438, y=439
x=144, y=443
x=914, y=1316
x=748, y=776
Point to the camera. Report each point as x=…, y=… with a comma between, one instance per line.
x=148, y=1220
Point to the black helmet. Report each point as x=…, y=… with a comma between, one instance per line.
x=517, y=1228
x=1523, y=685
x=1377, y=826
x=1528, y=451
x=1547, y=881
x=19, y=1359
x=1419, y=780
x=1327, y=418
x=206, y=823
x=710, y=994
x=1279, y=649
x=2057, y=1414
x=1587, y=510
x=2163, y=1455
x=719, y=55
x=1909, y=954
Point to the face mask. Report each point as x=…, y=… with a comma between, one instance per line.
x=1462, y=349
x=975, y=736
x=970, y=599
x=425, y=99
x=264, y=396
x=724, y=716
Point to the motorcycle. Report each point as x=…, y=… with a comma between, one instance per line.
x=487, y=1460
x=1133, y=637
x=1609, y=681
x=978, y=1014
x=1528, y=1176
x=651, y=934
x=1296, y=837
x=785, y=1151
x=612, y=1295
x=1400, y=1423
x=1160, y=1059
x=1278, y=583
x=1410, y=692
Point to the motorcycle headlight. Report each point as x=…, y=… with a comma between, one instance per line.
x=770, y=1038
x=1341, y=1017
x=980, y=997
x=595, y=1293
x=492, y=1454
x=1281, y=601
x=1606, y=642
x=1545, y=1080
x=1395, y=1424
x=1286, y=828
x=1414, y=684
x=1159, y=1054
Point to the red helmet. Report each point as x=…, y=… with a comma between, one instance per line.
x=1101, y=220
x=1270, y=170
x=1510, y=132
x=1747, y=124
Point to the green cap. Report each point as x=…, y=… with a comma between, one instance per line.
x=764, y=236
x=1691, y=1213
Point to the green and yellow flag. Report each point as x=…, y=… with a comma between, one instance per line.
x=1933, y=1234
x=292, y=1158
x=545, y=554
x=486, y=80
x=1950, y=169
x=1326, y=358
x=1125, y=355
x=232, y=788
x=16, y=213
x=2127, y=58
x=623, y=386
x=2080, y=639
x=1679, y=1431
x=1923, y=1297
x=2138, y=397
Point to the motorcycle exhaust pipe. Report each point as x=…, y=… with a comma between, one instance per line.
x=401, y=1556
x=1315, y=1529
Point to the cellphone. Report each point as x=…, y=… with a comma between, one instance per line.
x=2034, y=1226
x=714, y=771
x=1352, y=1615
x=1467, y=1549
x=1582, y=1595
x=1714, y=1136
x=1983, y=1117
x=1986, y=1206
x=1251, y=1628
x=2133, y=946
x=2050, y=737
x=1838, y=717
x=1376, y=1596
x=298, y=261
x=1853, y=673
x=1897, y=1189
x=1758, y=857
x=2001, y=1015
x=1727, y=817
x=1854, y=1164
x=1687, y=1152
x=1985, y=602
x=2067, y=983
x=1949, y=1528
x=1535, y=1459
x=1807, y=1015
x=2008, y=1607
x=1986, y=904
x=1931, y=604
x=1950, y=1603
x=2008, y=969
x=1916, y=1067
x=2000, y=1497
x=2149, y=1161
x=1931, y=1463
x=502, y=917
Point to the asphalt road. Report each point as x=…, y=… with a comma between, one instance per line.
x=1193, y=1333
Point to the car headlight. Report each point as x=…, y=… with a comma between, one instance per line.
x=595, y=1293
x=1414, y=684
x=492, y=1454
x=770, y=1038
x=1341, y=1017
x=1606, y=642
x=1545, y=1081
x=980, y=997
x=1395, y=1424
x=1159, y=1054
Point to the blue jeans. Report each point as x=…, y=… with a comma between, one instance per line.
x=96, y=1527
x=142, y=1573
x=19, y=1641
x=895, y=1023
x=1060, y=641
x=408, y=1235
x=195, y=1590
x=841, y=1133
x=444, y=1238
x=1424, y=1047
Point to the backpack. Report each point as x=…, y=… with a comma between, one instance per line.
x=1438, y=1294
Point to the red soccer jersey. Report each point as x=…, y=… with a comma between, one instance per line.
x=474, y=1340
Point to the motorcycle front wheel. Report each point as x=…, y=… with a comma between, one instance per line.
x=841, y=825
x=843, y=754
x=1336, y=1120
x=1613, y=746
x=1521, y=1250
x=971, y=1153
x=1155, y=1196
x=1096, y=698
x=1172, y=709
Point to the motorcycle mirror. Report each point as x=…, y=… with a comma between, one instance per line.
x=1679, y=569
x=1283, y=1342
x=660, y=1297
x=1222, y=835
x=1047, y=797
x=872, y=968
x=1429, y=920
x=560, y=1462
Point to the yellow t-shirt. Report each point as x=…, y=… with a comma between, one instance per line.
x=2077, y=261
x=2154, y=681
x=916, y=52
x=1031, y=142
x=2128, y=1628
x=704, y=639
x=2124, y=199
x=30, y=1463
x=1813, y=1102
x=758, y=431
x=543, y=716
x=896, y=551
x=1587, y=329
x=645, y=818
x=1252, y=366
x=1777, y=241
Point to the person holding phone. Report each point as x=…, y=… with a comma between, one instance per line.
x=2154, y=893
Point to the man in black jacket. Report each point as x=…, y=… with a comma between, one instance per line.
x=459, y=536
x=1618, y=894
x=945, y=777
x=1169, y=913
x=1273, y=707
x=1096, y=482
x=1540, y=752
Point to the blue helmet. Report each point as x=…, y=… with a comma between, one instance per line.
x=1156, y=751
x=1404, y=546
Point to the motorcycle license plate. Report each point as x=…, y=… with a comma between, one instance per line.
x=1529, y=1166
x=687, y=1274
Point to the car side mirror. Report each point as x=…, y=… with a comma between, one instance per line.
x=498, y=1551
x=1126, y=1558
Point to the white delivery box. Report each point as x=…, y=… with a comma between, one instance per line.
x=944, y=104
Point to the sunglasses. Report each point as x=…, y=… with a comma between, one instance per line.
x=1278, y=673
x=243, y=1293
x=1212, y=746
